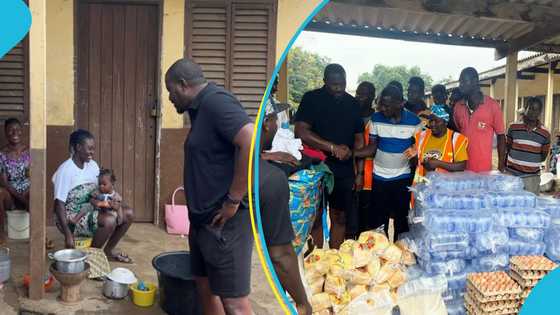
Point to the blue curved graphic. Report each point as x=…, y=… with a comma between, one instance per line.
x=15, y=20
x=544, y=297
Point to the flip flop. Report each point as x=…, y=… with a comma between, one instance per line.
x=49, y=244
x=121, y=258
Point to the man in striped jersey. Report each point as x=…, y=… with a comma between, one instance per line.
x=528, y=145
x=392, y=147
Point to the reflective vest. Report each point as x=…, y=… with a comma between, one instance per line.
x=368, y=162
x=454, y=141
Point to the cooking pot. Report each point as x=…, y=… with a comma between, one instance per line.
x=117, y=282
x=69, y=260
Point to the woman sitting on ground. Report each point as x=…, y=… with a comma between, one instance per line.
x=74, y=183
x=14, y=171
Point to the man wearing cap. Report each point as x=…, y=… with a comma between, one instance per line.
x=274, y=198
x=440, y=148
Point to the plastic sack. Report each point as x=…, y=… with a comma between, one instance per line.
x=386, y=272
x=392, y=254
x=550, y=205
x=316, y=285
x=356, y=290
x=458, y=200
x=457, y=281
x=374, y=240
x=414, y=272
x=359, y=276
x=361, y=255
x=397, y=279
x=406, y=246
x=490, y=240
x=490, y=263
x=335, y=285
x=339, y=303
x=517, y=199
x=446, y=255
x=460, y=181
x=454, y=294
x=527, y=234
x=503, y=182
x=515, y=218
x=316, y=263
x=379, y=303
x=435, y=241
x=423, y=285
x=458, y=221
x=520, y=248
x=373, y=267
x=443, y=267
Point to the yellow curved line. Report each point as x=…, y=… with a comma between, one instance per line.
x=253, y=225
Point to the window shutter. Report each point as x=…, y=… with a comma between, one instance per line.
x=252, y=52
x=13, y=97
x=234, y=42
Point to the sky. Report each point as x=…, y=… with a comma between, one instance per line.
x=359, y=54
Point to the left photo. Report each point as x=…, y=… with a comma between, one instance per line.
x=128, y=128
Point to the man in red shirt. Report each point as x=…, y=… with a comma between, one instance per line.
x=479, y=117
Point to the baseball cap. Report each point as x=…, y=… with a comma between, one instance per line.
x=436, y=111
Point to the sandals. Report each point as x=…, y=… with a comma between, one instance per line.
x=121, y=258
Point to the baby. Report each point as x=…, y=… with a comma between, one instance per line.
x=105, y=198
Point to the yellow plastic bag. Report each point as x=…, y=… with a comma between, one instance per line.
x=408, y=257
x=339, y=303
x=360, y=276
x=335, y=285
x=317, y=262
x=385, y=273
x=373, y=266
x=361, y=255
x=357, y=290
x=397, y=279
x=392, y=254
x=320, y=302
x=316, y=286
x=375, y=240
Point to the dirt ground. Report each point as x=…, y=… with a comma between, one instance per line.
x=143, y=242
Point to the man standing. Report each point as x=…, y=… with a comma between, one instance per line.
x=215, y=179
x=479, y=117
x=528, y=145
x=328, y=119
x=392, y=142
x=365, y=95
x=274, y=199
x=415, y=102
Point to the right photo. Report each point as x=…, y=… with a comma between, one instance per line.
x=409, y=158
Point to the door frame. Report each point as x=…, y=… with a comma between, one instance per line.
x=158, y=88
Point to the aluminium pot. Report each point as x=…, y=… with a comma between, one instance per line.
x=115, y=290
x=69, y=260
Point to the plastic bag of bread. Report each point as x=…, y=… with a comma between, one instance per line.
x=361, y=255
x=373, y=266
x=357, y=290
x=375, y=240
x=397, y=279
x=316, y=285
x=385, y=273
x=359, y=276
x=339, y=269
x=408, y=258
x=379, y=287
x=335, y=285
x=323, y=312
x=332, y=256
x=392, y=254
x=320, y=302
x=317, y=262
x=339, y=303
x=346, y=247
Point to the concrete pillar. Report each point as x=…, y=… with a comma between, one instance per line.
x=517, y=104
x=549, y=102
x=493, y=88
x=38, y=145
x=282, y=93
x=510, y=97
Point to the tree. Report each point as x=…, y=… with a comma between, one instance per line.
x=305, y=73
x=381, y=75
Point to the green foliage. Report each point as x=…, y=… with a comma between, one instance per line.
x=305, y=73
x=381, y=75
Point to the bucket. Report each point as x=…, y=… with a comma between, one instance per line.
x=18, y=224
x=143, y=298
x=177, y=287
x=82, y=242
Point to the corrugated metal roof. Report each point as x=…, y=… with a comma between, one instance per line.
x=419, y=24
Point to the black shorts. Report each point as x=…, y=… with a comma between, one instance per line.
x=224, y=255
x=342, y=194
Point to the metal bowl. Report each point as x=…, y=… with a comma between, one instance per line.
x=69, y=260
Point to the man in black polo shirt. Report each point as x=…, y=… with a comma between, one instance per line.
x=274, y=199
x=215, y=179
x=328, y=119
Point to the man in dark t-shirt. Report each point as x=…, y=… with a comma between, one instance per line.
x=274, y=198
x=328, y=119
x=415, y=102
x=215, y=179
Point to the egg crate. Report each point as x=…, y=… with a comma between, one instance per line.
x=491, y=284
x=525, y=293
x=493, y=306
x=472, y=309
x=480, y=298
x=532, y=263
x=529, y=274
x=524, y=283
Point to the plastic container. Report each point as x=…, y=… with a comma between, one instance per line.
x=519, y=218
x=552, y=241
x=177, y=287
x=82, y=242
x=143, y=298
x=517, y=199
x=527, y=234
x=443, y=267
x=490, y=263
x=18, y=224
x=520, y=248
x=449, y=221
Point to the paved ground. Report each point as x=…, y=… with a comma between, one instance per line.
x=143, y=242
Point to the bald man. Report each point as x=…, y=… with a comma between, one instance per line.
x=215, y=179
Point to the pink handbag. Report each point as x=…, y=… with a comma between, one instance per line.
x=177, y=217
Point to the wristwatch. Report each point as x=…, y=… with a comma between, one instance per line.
x=231, y=201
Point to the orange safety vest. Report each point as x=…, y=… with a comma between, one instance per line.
x=368, y=162
x=455, y=141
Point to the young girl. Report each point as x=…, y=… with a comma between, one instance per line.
x=105, y=198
